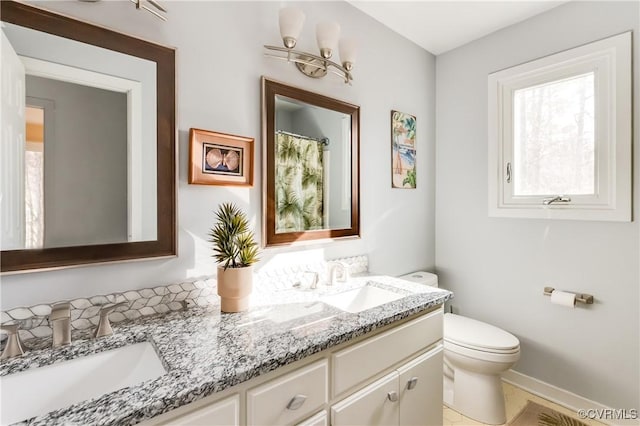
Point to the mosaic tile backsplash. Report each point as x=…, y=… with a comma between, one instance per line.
x=160, y=300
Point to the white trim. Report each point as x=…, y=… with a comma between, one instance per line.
x=558, y=395
x=610, y=60
x=46, y=69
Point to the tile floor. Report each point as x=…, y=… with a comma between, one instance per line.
x=515, y=398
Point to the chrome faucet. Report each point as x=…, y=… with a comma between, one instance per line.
x=338, y=272
x=314, y=280
x=104, y=326
x=14, y=346
x=60, y=319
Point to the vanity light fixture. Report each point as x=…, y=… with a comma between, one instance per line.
x=159, y=9
x=140, y=4
x=327, y=35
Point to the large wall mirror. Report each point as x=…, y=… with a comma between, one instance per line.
x=311, y=159
x=88, y=143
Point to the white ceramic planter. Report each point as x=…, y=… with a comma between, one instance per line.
x=234, y=288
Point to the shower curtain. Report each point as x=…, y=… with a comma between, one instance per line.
x=299, y=174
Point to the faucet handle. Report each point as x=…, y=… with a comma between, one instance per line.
x=60, y=320
x=345, y=272
x=10, y=328
x=343, y=268
x=104, y=326
x=315, y=278
x=14, y=346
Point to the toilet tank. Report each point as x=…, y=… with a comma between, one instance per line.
x=422, y=277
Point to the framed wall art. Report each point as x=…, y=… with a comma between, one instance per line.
x=220, y=159
x=403, y=150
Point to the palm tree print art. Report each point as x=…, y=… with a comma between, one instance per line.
x=403, y=140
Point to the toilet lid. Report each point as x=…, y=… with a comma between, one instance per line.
x=478, y=335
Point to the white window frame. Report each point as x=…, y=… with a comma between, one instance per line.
x=610, y=61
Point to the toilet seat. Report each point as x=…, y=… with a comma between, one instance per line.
x=478, y=336
x=482, y=355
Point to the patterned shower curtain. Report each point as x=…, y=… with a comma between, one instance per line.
x=298, y=184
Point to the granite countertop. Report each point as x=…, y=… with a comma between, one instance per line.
x=205, y=351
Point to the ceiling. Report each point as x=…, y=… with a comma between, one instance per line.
x=439, y=26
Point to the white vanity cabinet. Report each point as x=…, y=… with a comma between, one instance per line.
x=375, y=405
x=410, y=395
x=420, y=393
x=388, y=377
x=320, y=419
x=221, y=413
x=289, y=398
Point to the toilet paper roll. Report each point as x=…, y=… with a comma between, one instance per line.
x=563, y=298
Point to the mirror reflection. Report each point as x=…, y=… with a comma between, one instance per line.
x=312, y=167
x=79, y=156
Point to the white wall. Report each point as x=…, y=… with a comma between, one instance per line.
x=219, y=64
x=498, y=267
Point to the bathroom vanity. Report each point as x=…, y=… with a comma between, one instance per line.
x=293, y=358
x=355, y=383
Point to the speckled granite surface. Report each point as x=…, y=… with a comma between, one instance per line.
x=205, y=351
x=158, y=300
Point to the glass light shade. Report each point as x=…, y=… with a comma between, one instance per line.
x=291, y=22
x=327, y=35
x=348, y=47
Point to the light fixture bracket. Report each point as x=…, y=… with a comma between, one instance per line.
x=311, y=65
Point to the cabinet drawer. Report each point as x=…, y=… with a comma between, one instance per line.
x=222, y=413
x=304, y=391
x=363, y=360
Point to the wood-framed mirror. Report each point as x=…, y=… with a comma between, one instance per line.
x=310, y=166
x=88, y=173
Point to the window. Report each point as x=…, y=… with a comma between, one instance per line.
x=34, y=177
x=560, y=135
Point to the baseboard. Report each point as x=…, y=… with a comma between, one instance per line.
x=560, y=396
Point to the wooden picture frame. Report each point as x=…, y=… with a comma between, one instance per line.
x=220, y=159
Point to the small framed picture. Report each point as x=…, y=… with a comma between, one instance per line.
x=220, y=159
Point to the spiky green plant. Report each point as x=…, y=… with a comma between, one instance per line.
x=234, y=244
x=411, y=178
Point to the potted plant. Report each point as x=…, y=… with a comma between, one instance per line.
x=235, y=251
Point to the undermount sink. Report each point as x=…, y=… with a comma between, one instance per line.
x=361, y=299
x=40, y=390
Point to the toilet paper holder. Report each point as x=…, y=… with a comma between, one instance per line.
x=580, y=297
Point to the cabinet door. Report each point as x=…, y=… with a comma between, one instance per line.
x=222, y=413
x=375, y=405
x=319, y=419
x=421, y=390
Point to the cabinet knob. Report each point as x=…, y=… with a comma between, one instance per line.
x=412, y=383
x=296, y=402
x=393, y=396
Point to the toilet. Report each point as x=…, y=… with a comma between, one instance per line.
x=475, y=355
